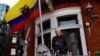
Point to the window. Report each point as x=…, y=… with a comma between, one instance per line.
x=46, y=25
x=13, y=51
x=0, y=30
x=72, y=37
x=3, y=9
x=47, y=40
x=67, y=20
x=39, y=40
x=14, y=40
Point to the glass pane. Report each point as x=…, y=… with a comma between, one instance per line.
x=47, y=40
x=67, y=20
x=0, y=13
x=0, y=7
x=13, y=51
x=39, y=40
x=14, y=40
x=73, y=41
x=46, y=24
x=4, y=8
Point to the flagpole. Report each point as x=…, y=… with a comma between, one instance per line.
x=40, y=18
x=26, y=42
x=27, y=33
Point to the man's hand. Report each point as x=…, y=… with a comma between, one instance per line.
x=52, y=51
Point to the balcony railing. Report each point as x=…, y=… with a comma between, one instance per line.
x=68, y=54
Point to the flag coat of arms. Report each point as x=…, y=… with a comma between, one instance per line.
x=20, y=13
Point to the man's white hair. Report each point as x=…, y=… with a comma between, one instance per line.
x=57, y=29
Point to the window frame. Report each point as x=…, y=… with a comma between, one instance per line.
x=54, y=23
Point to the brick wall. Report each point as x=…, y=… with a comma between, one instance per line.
x=31, y=37
x=93, y=39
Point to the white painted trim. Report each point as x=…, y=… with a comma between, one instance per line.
x=35, y=46
x=60, y=12
x=66, y=11
x=82, y=34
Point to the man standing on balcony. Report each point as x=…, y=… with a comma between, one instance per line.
x=58, y=43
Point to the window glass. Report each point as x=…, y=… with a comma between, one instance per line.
x=0, y=30
x=0, y=13
x=3, y=8
x=46, y=24
x=67, y=20
x=73, y=41
x=13, y=51
x=39, y=40
x=47, y=40
x=0, y=8
x=14, y=40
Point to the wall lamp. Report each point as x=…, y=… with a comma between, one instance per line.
x=89, y=9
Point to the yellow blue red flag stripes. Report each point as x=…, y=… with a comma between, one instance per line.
x=23, y=11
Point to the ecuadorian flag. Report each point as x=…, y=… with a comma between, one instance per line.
x=19, y=14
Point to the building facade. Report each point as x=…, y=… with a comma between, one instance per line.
x=4, y=31
x=78, y=20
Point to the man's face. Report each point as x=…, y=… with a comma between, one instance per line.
x=57, y=32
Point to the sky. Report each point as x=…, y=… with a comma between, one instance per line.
x=11, y=3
